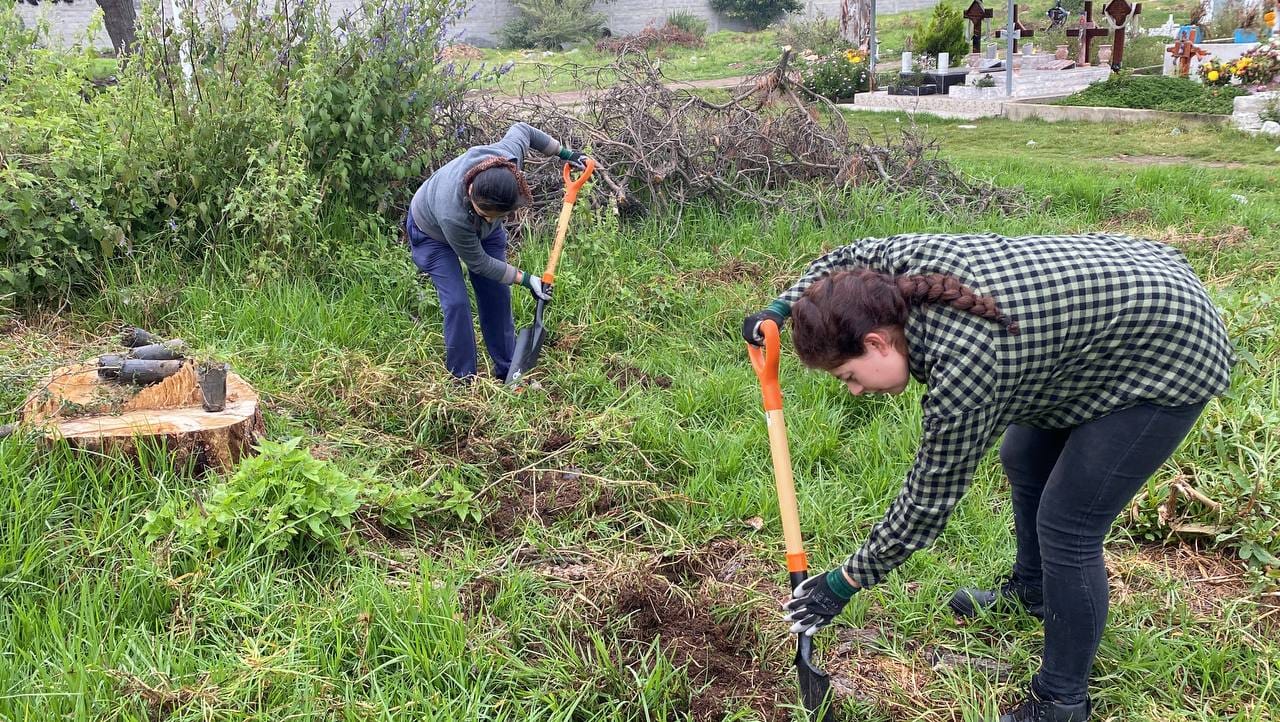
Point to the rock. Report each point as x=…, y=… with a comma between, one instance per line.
x=966, y=127
x=1176, y=131
x=1032, y=143
x=1239, y=199
x=1271, y=127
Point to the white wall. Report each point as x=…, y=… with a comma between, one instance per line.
x=484, y=18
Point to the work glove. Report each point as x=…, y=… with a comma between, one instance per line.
x=534, y=284
x=751, y=325
x=575, y=158
x=817, y=601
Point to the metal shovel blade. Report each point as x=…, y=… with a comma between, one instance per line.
x=815, y=685
x=528, y=347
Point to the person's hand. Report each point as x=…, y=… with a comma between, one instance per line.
x=535, y=286
x=751, y=325
x=575, y=158
x=817, y=601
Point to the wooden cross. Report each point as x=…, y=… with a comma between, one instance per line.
x=1023, y=30
x=1120, y=11
x=1086, y=32
x=976, y=14
x=1184, y=49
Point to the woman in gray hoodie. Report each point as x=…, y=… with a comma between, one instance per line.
x=456, y=216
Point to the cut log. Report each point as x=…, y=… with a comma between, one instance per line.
x=75, y=405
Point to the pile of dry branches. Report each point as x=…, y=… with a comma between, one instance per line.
x=663, y=146
x=649, y=38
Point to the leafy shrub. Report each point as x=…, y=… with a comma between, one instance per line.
x=211, y=134
x=820, y=36
x=839, y=75
x=281, y=495
x=944, y=33
x=1156, y=92
x=986, y=81
x=755, y=13
x=550, y=24
x=649, y=38
x=688, y=22
x=285, y=495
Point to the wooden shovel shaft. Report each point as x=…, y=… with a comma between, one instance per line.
x=562, y=228
x=785, y=484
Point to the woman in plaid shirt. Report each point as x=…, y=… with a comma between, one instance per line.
x=1093, y=355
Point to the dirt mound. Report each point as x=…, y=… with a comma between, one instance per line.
x=545, y=498
x=624, y=376
x=718, y=655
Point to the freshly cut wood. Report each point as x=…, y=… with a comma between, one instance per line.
x=79, y=407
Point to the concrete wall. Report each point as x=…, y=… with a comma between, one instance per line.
x=484, y=18
x=1247, y=110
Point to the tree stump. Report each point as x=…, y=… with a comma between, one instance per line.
x=87, y=412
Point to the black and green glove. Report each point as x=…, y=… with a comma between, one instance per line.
x=535, y=286
x=776, y=312
x=574, y=158
x=817, y=601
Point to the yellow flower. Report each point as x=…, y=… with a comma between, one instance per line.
x=850, y=55
x=1213, y=76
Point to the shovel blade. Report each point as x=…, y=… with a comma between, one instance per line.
x=815, y=685
x=528, y=348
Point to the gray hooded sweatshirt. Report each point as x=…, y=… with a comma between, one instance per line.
x=442, y=210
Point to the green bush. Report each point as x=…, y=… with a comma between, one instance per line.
x=688, y=22
x=1156, y=92
x=550, y=24
x=944, y=33
x=820, y=36
x=281, y=495
x=213, y=134
x=755, y=13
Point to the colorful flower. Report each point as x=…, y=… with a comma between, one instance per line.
x=1213, y=76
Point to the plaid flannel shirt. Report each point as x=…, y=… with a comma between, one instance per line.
x=1107, y=322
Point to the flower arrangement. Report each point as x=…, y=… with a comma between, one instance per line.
x=1259, y=66
x=839, y=75
x=1217, y=72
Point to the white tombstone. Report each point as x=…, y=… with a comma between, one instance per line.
x=906, y=61
x=944, y=61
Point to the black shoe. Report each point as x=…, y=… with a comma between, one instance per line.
x=970, y=602
x=1034, y=709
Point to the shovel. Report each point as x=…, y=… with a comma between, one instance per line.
x=529, y=339
x=815, y=686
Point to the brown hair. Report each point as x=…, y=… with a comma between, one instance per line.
x=496, y=184
x=835, y=313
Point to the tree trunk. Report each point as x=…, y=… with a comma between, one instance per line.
x=855, y=22
x=168, y=412
x=122, y=23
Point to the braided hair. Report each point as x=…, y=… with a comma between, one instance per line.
x=836, y=312
x=496, y=184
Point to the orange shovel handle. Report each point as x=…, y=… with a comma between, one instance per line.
x=765, y=362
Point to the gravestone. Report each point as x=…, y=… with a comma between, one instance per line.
x=1021, y=29
x=1119, y=14
x=1085, y=31
x=975, y=14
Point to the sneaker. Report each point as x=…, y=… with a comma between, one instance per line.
x=971, y=602
x=1034, y=709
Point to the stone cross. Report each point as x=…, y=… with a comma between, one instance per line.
x=1184, y=49
x=1086, y=32
x=1023, y=30
x=976, y=14
x=1120, y=12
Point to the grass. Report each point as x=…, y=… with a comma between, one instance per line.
x=726, y=54
x=647, y=409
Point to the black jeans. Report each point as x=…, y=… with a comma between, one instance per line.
x=1068, y=486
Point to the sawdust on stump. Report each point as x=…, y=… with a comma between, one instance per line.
x=76, y=406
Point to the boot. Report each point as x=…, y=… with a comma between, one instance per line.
x=1034, y=709
x=971, y=602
